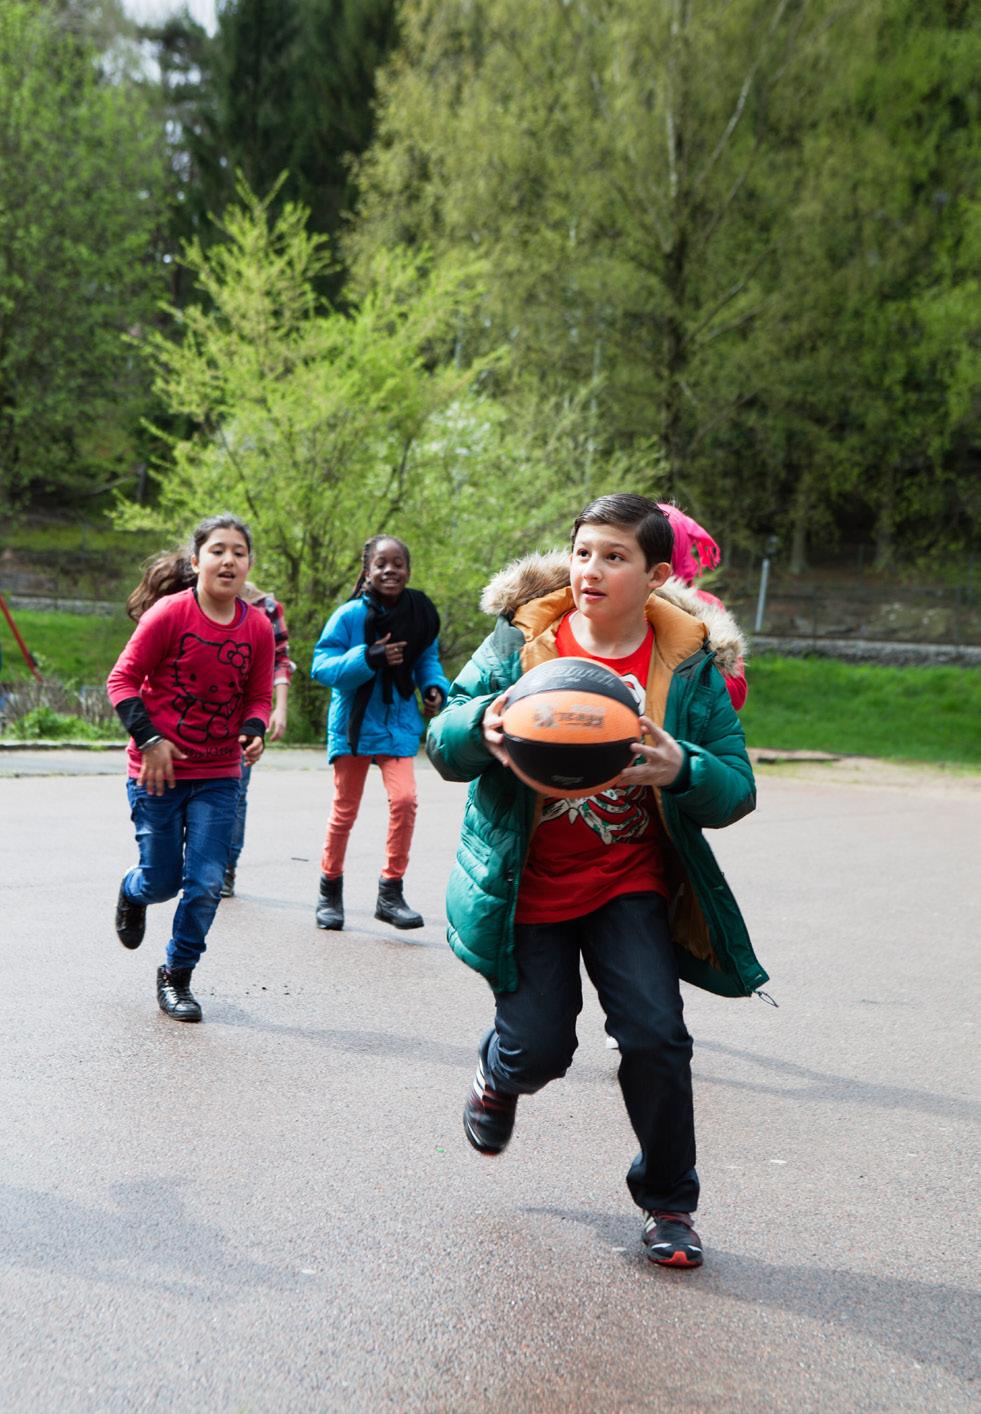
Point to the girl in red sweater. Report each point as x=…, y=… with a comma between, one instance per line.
x=193, y=687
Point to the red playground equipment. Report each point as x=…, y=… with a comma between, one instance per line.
x=28, y=658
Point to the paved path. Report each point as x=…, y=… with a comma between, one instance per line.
x=277, y=1210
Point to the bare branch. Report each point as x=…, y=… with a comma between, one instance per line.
x=724, y=412
x=733, y=324
x=741, y=101
x=647, y=207
x=728, y=297
x=701, y=245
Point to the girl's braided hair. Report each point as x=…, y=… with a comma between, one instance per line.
x=170, y=572
x=370, y=547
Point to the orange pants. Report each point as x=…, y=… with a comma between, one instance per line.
x=399, y=778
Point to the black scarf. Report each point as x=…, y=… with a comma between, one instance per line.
x=412, y=619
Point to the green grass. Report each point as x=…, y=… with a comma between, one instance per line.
x=43, y=535
x=911, y=714
x=77, y=649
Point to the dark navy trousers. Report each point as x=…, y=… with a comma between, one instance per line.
x=630, y=959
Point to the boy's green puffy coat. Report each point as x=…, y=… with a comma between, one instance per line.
x=685, y=694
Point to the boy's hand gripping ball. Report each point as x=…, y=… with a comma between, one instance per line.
x=568, y=725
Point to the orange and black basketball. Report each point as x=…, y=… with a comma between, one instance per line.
x=568, y=725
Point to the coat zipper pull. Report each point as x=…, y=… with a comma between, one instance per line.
x=765, y=997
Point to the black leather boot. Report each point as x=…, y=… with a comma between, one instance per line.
x=174, y=994
x=330, y=905
x=392, y=907
x=130, y=920
x=228, y=883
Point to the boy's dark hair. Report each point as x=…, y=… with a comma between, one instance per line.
x=170, y=572
x=644, y=517
x=370, y=547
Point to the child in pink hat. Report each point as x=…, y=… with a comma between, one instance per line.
x=695, y=552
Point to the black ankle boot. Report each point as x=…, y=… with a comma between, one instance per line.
x=130, y=920
x=392, y=907
x=330, y=905
x=174, y=994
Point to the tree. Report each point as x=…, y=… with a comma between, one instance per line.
x=728, y=210
x=79, y=185
x=282, y=93
x=344, y=43
x=886, y=224
x=611, y=161
x=183, y=101
x=256, y=62
x=325, y=426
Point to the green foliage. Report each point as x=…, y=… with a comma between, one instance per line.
x=183, y=103
x=607, y=160
x=875, y=344
x=79, y=176
x=282, y=93
x=914, y=714
x=324, y=427
x=45, y=724
x=757, y=221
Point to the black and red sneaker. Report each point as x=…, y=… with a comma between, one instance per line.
x=671, y=1240
x=488, y=1115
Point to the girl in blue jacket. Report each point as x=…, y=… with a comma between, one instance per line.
x=376, y=651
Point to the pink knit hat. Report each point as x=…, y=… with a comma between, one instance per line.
x=694, y=549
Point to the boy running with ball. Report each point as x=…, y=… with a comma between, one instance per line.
x=623, y=878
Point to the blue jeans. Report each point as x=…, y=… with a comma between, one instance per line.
x=628, y=953
x=238, y=833
x=184, y=837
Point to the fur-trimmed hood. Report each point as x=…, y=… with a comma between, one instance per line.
x=534, y=576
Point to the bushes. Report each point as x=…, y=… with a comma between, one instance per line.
x=45, y=724
x=50, y=711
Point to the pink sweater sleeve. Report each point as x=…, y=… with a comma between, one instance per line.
x=147, y=646
x=258, y=695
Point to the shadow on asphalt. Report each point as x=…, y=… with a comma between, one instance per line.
x=835, y=1089
x=819, y=1085
x=381, y=1043
x=923, y=1321
x=145, y=1240
x=356, y=925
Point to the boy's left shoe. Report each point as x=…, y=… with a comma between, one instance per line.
x=671, y=1240
x=488, y=1115
x=228, y=883
x=392, y=907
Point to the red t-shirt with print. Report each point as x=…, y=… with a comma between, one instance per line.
x=587, y=850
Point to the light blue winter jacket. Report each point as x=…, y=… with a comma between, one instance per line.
x=340, y=662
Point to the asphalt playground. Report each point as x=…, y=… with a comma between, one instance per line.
x=277, y=1210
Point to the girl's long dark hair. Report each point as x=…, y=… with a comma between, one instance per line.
x=170, y=572
x=369, y=549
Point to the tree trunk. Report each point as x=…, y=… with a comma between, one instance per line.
x=799, y=524
x=885, y=525
x=675, y=427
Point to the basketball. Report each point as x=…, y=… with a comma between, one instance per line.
x=568, y=725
